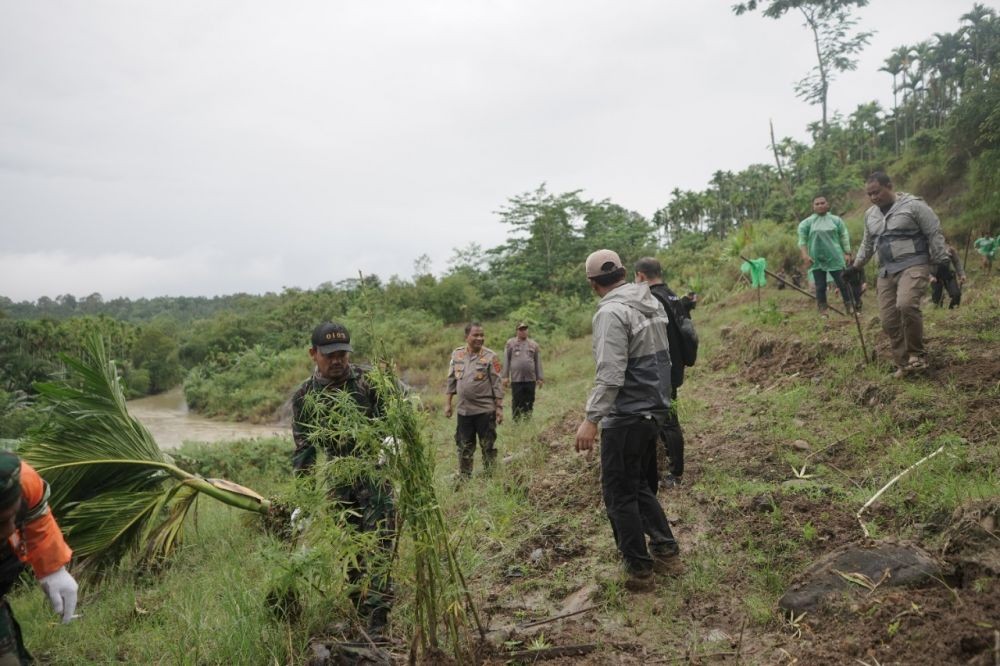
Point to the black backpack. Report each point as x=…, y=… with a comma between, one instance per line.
x=682, y=328
x=688, y=336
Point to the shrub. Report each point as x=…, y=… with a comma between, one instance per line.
x=251, y=385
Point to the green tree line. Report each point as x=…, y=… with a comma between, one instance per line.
x=942, y=137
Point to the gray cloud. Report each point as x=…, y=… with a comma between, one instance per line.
x=203, y=148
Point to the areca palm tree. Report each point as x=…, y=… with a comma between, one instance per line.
x=113, y=490
x=894, y=66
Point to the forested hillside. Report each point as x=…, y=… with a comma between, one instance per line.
x=940, y=140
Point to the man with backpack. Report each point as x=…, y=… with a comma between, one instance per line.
x=630, y=400
x=683, y=353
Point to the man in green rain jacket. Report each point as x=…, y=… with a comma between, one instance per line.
x=825, y=246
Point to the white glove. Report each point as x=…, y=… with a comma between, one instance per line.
x=61, y=588
x=389, y=445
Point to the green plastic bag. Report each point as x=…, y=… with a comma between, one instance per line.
x=988, y=247
x=755, y=268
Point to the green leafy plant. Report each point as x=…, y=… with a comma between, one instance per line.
x=114, y=490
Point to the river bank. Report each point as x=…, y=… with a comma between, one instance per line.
x=168, y=419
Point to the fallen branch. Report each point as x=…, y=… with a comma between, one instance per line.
x=778, y=383
x=844, y=474
x=889, y=485
x=536, y=623
x=830, y=446
x=551, y=653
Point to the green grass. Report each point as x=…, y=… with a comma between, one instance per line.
x=208, y=607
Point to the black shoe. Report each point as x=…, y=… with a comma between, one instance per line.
x=665, y=551
x=671, y=481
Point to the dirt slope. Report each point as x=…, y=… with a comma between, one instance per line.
x=764, y=401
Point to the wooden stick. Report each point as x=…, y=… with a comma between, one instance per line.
x=968, y=242
x=888, y=485
x=857, y=321
x=529, y=625
x=798, y=289
x=830, y=446
x=552, y=652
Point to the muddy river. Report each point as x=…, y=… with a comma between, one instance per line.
x=167, y=417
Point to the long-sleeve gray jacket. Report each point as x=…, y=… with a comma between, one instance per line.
x=908, y=235
x=633, y=359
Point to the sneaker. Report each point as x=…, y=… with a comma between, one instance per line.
x=899, y=373
x=639, y=580
x=671, y=481
x=916, y=364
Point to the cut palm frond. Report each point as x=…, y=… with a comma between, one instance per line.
x=113, y=490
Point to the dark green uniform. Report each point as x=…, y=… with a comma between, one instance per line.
x=371, y=503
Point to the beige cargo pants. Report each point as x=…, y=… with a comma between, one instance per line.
x=899, y=299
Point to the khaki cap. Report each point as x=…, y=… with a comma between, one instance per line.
x=603, y=262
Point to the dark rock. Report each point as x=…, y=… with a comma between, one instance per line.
x=762, y=503
x=905, y=564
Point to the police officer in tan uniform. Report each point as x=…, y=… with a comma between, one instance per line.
x=474, y=376
x=522, y=371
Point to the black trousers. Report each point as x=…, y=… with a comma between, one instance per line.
x=838, y=279
x=632, y=508
x=522, y=398
x=469, y=428
x=946, y=279
x=672, y=437
x=372, y=508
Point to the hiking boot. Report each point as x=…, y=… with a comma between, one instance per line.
x=377, y=623
x=665, y=550
x=666, y=559
x=670, y=481
x=916, y=364
x=465, y=466
x=639, y=580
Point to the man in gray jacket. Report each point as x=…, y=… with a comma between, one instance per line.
x=630, y=400
x=906, y=235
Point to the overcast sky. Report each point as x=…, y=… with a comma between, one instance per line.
x=198, y=147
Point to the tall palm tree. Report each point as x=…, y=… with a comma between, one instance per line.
x=894, y=66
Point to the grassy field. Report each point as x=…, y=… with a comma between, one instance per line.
x=788, y=434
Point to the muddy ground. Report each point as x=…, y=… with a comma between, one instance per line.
x=566, y=562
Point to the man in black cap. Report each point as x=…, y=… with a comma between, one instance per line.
x=522, y=371
x=29, y=535
x=370, y=503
